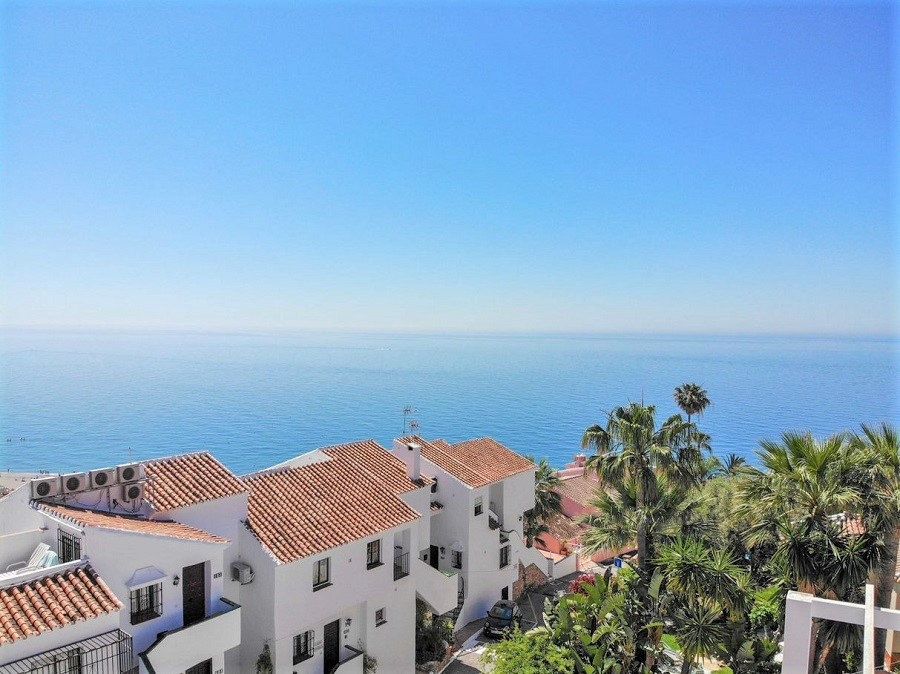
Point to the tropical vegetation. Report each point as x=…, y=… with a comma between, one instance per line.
x=719, y=544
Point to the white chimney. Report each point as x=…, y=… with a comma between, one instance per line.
x=411, y=453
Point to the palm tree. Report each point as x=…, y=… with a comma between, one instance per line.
x=799, y=505
x=707, y=584
x=732, y=465
x=631, y=458
x=882, y=514
x=692, y=399
x=547, y=501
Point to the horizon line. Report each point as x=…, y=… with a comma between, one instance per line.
x=417, y=332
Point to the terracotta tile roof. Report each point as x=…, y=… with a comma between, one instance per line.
x=581, y=489
x=53, y=601
x=474, y=462
x=566, y=529
x=309, y=509
x=188, y=479
x=371, y=457
x=167, y=528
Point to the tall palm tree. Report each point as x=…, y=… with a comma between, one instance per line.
x=547, y=501
x=798, y=504
x=692, y=399
x=631, y=456
x=881, y=446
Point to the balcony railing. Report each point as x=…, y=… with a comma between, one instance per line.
x=107, y=653
x=401, y=566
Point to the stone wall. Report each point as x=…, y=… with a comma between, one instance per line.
x=529, y=577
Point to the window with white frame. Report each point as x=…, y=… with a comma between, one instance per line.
x=146, y=603
x=479, y=505
x=380, y=616
x=373, y=554
x=303, y=646
x=321, y=573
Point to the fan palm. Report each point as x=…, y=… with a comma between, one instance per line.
x=631, y=456
x=799, y=503
x=692, y=399
x=547, y=501
x=882, y=508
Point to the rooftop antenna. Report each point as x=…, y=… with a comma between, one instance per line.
x=406, y=412
x=130, y=456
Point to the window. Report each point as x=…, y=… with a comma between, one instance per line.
x=146, y=603
x=200, y=668
x=434, y=485
x=456, y=559
x=380, y=617
x=321, y=576
x=68, y=546
x=373, y=554
x=479, y=505
x=504, y=556
x=303, y=646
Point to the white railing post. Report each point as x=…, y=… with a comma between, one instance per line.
x=798, y=634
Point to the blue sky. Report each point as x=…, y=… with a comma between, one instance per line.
x=674, y=167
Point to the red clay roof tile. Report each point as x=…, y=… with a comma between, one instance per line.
x=53, y=601
x=474, y=462
x=167, y=528
x=185, y=480
x=305, y=510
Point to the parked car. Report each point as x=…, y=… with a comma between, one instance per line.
x=501, y=618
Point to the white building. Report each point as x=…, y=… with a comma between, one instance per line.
x=481, y=492
x=181, y=567
x=167, y=576
x=329, y=536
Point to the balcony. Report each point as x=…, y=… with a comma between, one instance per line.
x=401, y=566
x=108, y=653
x=179, y=649
x=438, y=589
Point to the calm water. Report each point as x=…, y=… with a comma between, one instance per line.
x=73, y=401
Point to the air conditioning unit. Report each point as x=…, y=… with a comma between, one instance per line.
x=45, y=487
x=131, y=493
x=131, y=472
x=241, y=572
x=74, y=482
x=104, y=477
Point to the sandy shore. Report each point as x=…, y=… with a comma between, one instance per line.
x=13, y=480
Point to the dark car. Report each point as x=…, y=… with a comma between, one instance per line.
x=501, y=618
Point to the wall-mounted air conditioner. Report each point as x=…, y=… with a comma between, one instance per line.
x=104, y=477
x=45, y=487
x=241, y=572
x=74, y=482
x=130, y=472
x=131, y=493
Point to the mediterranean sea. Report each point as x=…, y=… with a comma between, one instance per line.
x=76, y=400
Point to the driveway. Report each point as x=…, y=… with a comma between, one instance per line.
x=532, y=606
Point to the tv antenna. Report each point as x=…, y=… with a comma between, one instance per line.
x=413, y=425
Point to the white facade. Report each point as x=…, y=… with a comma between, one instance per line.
x=459, y=534
x=370, y=607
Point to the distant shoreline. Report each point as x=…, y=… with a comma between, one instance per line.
x=12, y=479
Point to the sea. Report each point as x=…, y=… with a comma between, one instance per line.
x=74, y=400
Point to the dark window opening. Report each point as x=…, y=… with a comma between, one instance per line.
x=146, y=603
x=68, y=546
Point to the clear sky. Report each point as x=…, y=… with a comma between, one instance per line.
x=472, y=166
